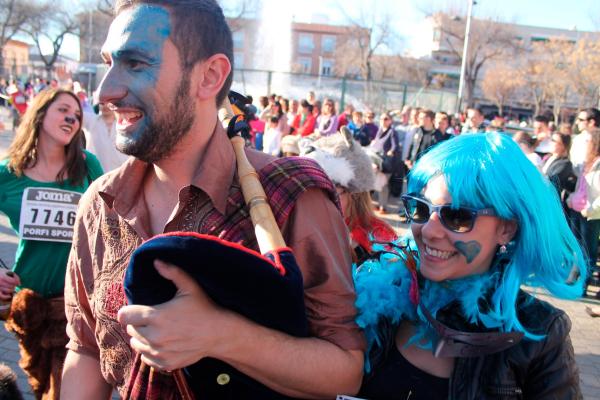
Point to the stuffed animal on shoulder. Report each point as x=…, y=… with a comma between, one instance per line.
x=343, y=160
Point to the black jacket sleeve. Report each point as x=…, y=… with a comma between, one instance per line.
x=553, y=374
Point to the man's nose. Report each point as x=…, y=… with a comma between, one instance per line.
x=112, y=88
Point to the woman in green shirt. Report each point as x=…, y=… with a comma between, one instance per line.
x=41, y=181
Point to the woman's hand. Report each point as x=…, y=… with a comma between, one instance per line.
x=8, y=281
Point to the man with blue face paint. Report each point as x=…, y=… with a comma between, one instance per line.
x=169, y=68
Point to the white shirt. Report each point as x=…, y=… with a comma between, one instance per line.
x=100, y=141
x=272, y=141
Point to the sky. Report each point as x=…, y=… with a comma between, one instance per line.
x=407, y=15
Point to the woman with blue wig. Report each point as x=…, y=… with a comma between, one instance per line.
x=443, y=310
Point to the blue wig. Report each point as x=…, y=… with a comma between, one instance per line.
x=490, y=170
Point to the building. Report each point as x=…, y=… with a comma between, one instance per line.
x=16, y=59
x=312, y=49
x=446, y=64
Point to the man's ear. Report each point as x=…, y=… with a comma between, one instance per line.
x=507, y=230
x=211, y=75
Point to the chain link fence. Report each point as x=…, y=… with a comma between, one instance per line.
x=376, y=95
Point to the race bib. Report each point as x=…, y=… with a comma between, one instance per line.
x=48, y=214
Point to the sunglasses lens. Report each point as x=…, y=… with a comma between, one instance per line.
x=416, y=210
x=458, y=220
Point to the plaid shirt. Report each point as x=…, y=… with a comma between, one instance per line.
x=283, y=181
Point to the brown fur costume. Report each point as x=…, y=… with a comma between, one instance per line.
x=40, y=327
x=8, y=384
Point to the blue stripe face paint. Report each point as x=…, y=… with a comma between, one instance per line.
x=135, y=84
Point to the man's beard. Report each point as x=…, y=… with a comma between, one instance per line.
x=166, y=130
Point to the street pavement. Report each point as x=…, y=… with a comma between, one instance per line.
x=585, y=332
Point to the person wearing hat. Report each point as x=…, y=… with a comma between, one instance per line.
x=349, y=167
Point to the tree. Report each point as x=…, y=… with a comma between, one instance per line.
x=364, y=37
x=14, y=14
x=500, y=83
x=489, y=40
x=584, y=70
x=50, y=22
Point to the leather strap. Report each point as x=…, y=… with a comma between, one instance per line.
x=453, y=343
x=184, y=390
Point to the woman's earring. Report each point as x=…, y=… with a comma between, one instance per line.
x=502, y=249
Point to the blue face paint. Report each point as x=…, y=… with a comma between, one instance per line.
x=134, y=49
x=468, y=249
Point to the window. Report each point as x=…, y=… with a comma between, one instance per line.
x=305, y=43
x=238, y=59
x=328, y=43
x=238, y=39
x=327, y=67
x=305, y=65
x=437, y=34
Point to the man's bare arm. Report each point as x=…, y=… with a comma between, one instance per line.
x=82, y=379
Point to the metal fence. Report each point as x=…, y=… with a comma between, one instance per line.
x=376, y=95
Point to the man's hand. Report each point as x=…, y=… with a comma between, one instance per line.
x=179, y=332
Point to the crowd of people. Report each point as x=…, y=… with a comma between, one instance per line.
x=437, y=313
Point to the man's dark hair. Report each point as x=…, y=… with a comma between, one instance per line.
x=199, y=32
x=542, y=119
x=428, y=113
x=593, y=114
x=476, y=109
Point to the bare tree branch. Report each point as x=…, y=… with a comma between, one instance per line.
x=14, y=14
x=50, y=22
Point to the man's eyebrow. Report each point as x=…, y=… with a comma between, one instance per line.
x=127, y=53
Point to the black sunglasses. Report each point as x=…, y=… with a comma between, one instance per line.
x=459, y=220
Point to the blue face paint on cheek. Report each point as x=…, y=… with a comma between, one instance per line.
x=135, y=43
x=468, y=249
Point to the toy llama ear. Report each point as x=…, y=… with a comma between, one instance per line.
x=347, y=136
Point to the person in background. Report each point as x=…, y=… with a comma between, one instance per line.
x=41, y=180
x=358, y=129
x=272, y=137
x=527, y=143
x=385, y=145
x=304, y=123
x=475, y=122
x=311, y=98
x=349, y=168
x=345, y=117
x=586, y=119
x=443, y=309
x=293, y=110
x=317, y=108
x=18, y=100
x=426, y=136
x=558, y=168
x=274, y=110
x=370, y=124
x=442, y=125
x=585, y=200
x=100, y=134
x=542, y=133
x=565, y=129
x=410, y=131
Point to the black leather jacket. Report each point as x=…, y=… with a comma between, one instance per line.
x=531, y=370
x=544, y=369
